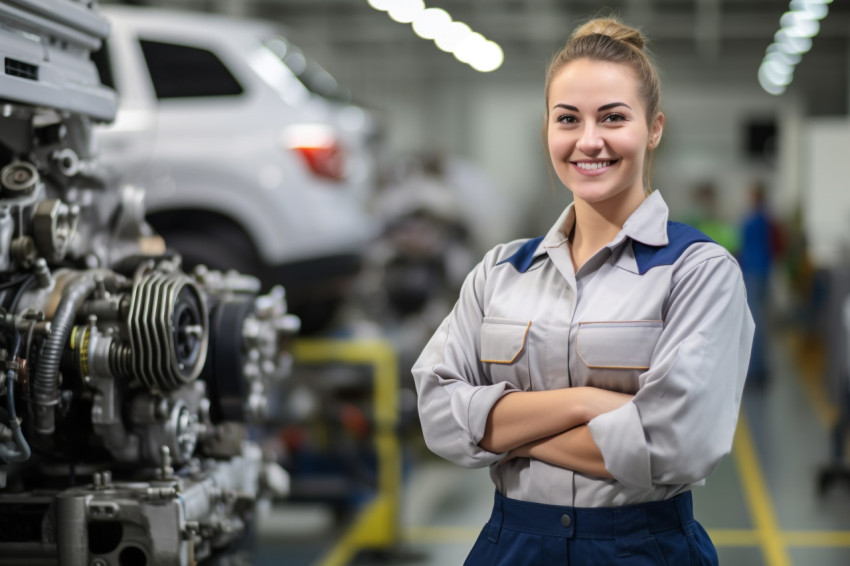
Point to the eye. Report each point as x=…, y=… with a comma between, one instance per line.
x=566, y=119
x=614, y=118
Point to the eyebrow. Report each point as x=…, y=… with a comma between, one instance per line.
x=600, y=109
x=613, y=105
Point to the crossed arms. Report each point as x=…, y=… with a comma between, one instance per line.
x=551, y=426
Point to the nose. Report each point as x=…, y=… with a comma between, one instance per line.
x=591, y=141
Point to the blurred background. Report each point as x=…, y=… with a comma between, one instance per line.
x=365, y=154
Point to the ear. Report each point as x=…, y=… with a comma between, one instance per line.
x=656, y=130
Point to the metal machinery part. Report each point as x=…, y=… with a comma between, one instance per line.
x=127, y=386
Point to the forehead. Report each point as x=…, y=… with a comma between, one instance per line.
x=594, y=81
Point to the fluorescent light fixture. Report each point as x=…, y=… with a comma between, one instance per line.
x=453, y=37
x=490, y=58
x=769, y=86
x=792, y=43
x=776, y=54
x=797, y=28
x=777, y=72
x=382, y=5
x=817, y=9
x=468, y=49
x=431, y=22
x=405, y=11
x=799, y=24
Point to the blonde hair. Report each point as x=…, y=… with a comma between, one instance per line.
x=609, y=40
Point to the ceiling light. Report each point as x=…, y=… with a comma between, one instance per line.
x=382, y=5
x=431, y=22
x=452, y=36
x=789, y=59
x=818, y=10
x=777, y=72
x=799, y=24
x=490, y=58
x=405, y=11
x=469, y=47
x=791, y=43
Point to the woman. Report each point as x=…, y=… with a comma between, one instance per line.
x=598, y=369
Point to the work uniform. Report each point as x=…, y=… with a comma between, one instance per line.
x=660, y=312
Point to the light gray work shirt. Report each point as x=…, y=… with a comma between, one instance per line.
x=660, y=312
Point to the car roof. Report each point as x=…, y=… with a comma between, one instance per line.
x=166, y=20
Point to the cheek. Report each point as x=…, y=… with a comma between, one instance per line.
x=631, y=145
x=558, y=145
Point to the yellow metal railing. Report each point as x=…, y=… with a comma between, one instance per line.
x=377, y=524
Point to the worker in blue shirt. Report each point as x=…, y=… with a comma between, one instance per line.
x=760, y=241
x=598, y=369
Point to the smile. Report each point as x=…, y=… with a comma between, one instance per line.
x=593, y=167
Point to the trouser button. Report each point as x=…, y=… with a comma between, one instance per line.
x=566, y=520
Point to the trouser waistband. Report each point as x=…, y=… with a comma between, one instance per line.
x=591, y=522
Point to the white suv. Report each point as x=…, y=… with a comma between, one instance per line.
x=249, y=153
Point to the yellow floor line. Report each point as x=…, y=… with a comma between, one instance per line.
x=732, y=537
x=809, y=361
x=757, y=497
x=817, y=538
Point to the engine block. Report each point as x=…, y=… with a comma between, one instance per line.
x=129, y=388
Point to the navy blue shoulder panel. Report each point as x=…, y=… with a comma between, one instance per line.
x=680, y=237
x=522, y=258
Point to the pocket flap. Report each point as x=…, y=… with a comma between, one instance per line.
x=618, y=345
x=502, y=339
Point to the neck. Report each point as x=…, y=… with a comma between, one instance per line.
x=597, y=224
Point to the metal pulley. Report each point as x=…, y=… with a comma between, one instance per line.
x=168, y=328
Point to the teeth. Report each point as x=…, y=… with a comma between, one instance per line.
x=593, y=166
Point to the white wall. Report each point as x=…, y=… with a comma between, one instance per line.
x=827, y=184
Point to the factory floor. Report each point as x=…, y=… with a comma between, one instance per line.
x=761, y=507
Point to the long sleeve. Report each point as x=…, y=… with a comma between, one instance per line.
x=682, y=420
x=454, y=394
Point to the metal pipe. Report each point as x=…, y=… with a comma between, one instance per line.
x=45, y=384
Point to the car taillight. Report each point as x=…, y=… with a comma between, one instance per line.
x=318, y=146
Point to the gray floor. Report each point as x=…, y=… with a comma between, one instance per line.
x=762, y=506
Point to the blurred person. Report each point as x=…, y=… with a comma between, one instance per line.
x=706, y=218
x=597, y=370
x=761, y=241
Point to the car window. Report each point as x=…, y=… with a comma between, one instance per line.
x=309, y=72
x=100, y=58
x=182, y=71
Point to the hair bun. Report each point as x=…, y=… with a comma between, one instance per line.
x=614, y=29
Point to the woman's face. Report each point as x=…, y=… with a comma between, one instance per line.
x=597, y=131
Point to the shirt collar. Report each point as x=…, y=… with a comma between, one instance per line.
x=647, y=225
x=559, y=232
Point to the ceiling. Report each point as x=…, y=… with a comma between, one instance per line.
x=724, y=39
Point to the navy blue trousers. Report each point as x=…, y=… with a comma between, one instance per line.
x=659, y=533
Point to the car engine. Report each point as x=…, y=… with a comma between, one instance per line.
x=130, y=390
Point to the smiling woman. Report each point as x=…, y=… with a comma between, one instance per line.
x=598, y=369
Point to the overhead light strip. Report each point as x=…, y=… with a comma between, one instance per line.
x=798, y=27
x=453, y=37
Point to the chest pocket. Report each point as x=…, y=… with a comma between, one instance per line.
x=615, y=353
x=504, y=350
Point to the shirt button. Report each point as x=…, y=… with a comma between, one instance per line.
x=566, y=520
